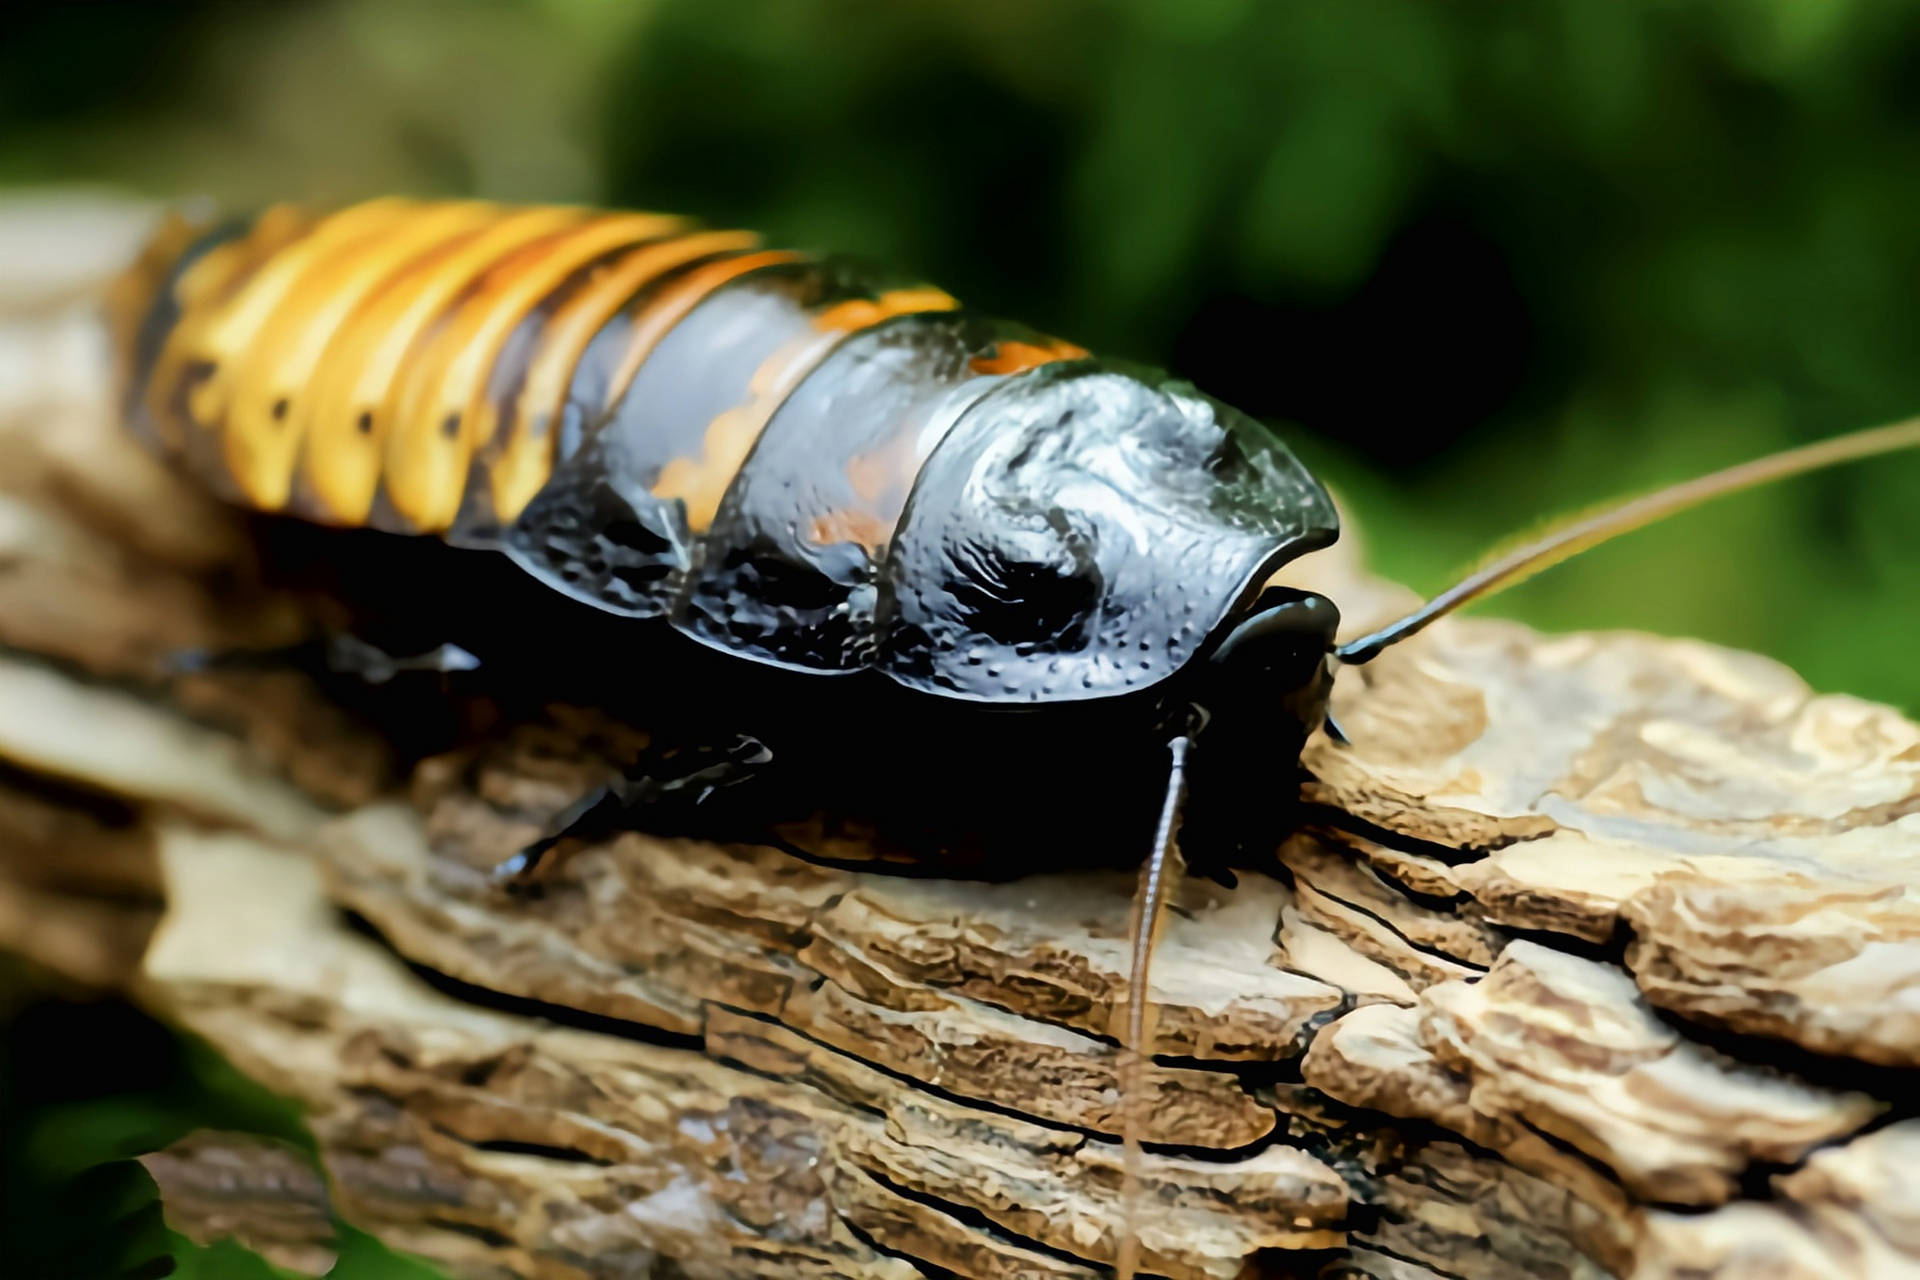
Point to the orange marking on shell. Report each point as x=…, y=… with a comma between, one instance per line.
x=263, y=431
x=526, y=459
x=702, y=482
x=230, y=341
x=659, y=316
x=881, y=477
x=426, y=466
x=864, y=313
x=1018, y=357
x=896, y=461
x=200, y=291
x=356, y=385
x=844, y=525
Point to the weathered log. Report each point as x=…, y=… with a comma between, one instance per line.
x=259, y=1191
x=1601, y=955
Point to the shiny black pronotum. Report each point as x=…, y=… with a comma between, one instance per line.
x=869, y=567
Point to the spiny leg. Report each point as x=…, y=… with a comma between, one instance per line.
x=1158, y=875
x=1335, y=732
x=667, y=784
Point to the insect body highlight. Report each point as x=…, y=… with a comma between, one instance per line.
x=787, y=458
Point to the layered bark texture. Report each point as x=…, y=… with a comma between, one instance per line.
x=1597, y=955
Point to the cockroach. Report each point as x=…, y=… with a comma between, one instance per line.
x=1040, y=583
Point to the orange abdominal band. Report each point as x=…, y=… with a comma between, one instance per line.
x=525, y=458
x=262, y=430
x=442, y=413
x=202, y=291
x=702, y=483
x=357, y=385
x=1018, y=357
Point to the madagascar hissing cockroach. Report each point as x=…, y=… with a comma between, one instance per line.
x=1032, y=575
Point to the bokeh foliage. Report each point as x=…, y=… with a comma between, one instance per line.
x=89, y=1084
x=1486, y=260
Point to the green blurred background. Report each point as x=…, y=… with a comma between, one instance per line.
x=1484, y=262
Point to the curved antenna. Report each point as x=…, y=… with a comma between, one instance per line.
x=1158, y=874
x=1590, y=530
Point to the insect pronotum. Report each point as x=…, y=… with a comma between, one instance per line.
x=1028, y=574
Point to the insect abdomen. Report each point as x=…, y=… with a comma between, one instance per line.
x=672, y=422
x=401, y=363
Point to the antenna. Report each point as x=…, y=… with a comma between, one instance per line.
x=1159, y=875
x=1579, y=533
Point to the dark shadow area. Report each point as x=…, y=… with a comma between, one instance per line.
x=1432, y=345
x=85, y=1085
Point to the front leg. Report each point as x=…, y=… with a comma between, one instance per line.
x=667, y=792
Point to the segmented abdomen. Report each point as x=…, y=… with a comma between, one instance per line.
x=423, y=367
x=669, y=421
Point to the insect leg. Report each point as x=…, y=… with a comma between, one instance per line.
x=1334, y=730
x=189, y=662
x=596, y=813
x=348, y=654
x=1158, y=875
x=342, y=653
x=667, y=787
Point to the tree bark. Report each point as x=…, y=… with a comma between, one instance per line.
x=1600, y=957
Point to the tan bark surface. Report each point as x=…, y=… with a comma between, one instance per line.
x=1600, y=956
